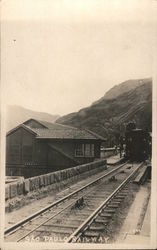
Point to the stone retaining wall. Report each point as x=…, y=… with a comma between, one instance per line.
x=56, y=179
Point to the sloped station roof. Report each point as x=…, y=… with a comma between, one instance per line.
x=58, y=131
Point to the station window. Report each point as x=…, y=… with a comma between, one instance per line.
x=89, y=150
x=84, y=150
x=79, y=151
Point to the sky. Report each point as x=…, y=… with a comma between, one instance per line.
x=59, y=56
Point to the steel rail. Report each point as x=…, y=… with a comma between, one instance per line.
x=85, y=225
x=44, y=222
x=52, y=217
x=16, y=226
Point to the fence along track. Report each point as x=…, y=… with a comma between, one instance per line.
x=23, y=222
x=87, y=223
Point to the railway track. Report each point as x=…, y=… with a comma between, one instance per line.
x=83, y=213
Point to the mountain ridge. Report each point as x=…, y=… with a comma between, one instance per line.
x=123, y=87
x=108, y=116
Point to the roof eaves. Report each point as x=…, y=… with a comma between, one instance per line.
x=98, y=137
x=68, y=138
x=21, y=126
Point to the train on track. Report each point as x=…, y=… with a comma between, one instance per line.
x=137, y=143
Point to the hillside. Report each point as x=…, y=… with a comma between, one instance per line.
x=108, y=115
x=123, y=88
x=17, y=115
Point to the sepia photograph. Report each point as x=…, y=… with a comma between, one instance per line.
x=78, y=124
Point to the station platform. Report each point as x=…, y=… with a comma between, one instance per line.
x=136, y=230
x=137, y=239
x=113, y=160
x=145, y=230
x=144, y=237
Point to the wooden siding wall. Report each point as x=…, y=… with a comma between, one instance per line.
x=26, y=155
x=19, y=147
x=58, y=161
x=68, y=147
x=24, y=149
x=13, y=155
x=40, y=153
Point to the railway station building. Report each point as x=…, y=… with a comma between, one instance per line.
x=38, y=147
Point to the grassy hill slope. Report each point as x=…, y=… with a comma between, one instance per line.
x=109, y=115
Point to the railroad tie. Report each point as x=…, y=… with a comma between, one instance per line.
x=120, y=196
x=113, y=205
x=84, y=213
x=125, y=189
x=124, y=192
x=62, y=226
x=115, y=202
x=56, y=230
x=102, y=220
x=106, y=215
x=108, y=210
x=96, y=196
x=99, y=227
x=118, y=199
x=91, y=234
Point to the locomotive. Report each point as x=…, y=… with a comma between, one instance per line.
x=137, y=143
